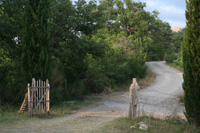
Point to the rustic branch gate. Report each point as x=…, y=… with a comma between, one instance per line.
x=38, y=98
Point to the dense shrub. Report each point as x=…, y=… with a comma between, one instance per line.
x=12, y=90
x=191, y=63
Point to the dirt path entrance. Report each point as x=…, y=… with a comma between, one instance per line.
x=160, y=97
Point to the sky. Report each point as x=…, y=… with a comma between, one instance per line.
x=171, y=11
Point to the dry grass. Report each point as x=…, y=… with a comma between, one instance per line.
x=181, y=99
x=148, y=79
x=175, y=66
x=169, y=125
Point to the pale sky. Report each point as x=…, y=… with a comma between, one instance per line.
x=171, y=11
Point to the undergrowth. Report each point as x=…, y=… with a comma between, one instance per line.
x=169, y=125
x=148, y=79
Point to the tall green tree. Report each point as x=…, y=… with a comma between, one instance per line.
x=36, y=45
x=89, y=17
x=160, y=33
x=11, y=12
x=11, y=25
x=191, y=62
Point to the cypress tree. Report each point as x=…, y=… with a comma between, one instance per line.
x=191, y=62
x=36, y=41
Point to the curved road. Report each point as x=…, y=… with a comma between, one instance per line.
x=160, y=97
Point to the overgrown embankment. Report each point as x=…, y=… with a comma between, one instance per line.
x=171, y=124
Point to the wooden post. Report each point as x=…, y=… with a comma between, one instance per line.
x=39, y=96
x=44, y=90
x=34, y=95
x=48, y=97
x=29, y=96
x=133, y=100
x=42, y=93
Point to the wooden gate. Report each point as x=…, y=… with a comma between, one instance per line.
x=38, y=98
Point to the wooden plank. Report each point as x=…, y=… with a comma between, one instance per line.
x=39, y=97
x=33, y=88
x=44, y=107
x=23, y=105
x=29, y=100
x=41, y=101
x=48, y=110
x=46, y=98
x=31, y=96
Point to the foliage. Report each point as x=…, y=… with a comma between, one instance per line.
x=81, y=47
x=191, y=63
x=170, y=124
x=11, y=23
x=36, y=58
x=161, y=35
x=11, y=12
x=173, y=54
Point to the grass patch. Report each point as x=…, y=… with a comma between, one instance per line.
x=181, y=99
x=118, y=88
x=66, y=108
x=9, y=114
x=169, y=125
x=148, y=79
x=175, y=65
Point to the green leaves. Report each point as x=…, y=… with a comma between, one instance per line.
x=36, y=45
x=91, y=45
x=191, y=64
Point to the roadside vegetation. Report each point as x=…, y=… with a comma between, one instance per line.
x=148, y=79
x=83, y=48
x=173, y=55
x=168, y=125
x=191, y=64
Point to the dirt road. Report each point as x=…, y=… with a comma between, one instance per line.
x=160, y=97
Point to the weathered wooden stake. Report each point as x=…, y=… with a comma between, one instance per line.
x=29, y=96
x=133, y=100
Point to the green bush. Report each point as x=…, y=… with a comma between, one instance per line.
x=170, y=57
x=56, y=97
x=12, y=89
